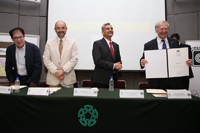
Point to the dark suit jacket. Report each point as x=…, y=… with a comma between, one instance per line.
x=32, y=60
x=190, y=57
x=153, y=45
x=103, y=61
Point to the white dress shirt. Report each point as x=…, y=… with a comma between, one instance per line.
x=20, y=60
x=160, y=43
x=108, y=42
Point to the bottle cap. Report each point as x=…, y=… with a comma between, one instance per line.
x=17, y=77
x=111, y=77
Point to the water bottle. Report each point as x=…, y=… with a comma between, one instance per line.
x=111, y=84
x=17, y=85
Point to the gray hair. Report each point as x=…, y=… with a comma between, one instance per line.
x=161, y=22
x=60, y=21
x=102, y=28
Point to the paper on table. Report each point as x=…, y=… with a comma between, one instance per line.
x=54, y=89
x=157, y=64
x=177, y=62
x=159, y=95
x=156, y=91
x=95, y=88
x=21, y=86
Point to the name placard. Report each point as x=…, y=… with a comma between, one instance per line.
x=85, y=92
x=131, y=94
x=5, y=89
x=38, y=91
x=179, y=94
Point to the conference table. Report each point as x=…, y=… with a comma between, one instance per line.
x=62, y=112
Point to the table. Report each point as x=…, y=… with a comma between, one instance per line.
x=58, y=113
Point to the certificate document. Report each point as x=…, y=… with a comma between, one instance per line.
x=166, y=63
x=157, y=63
x=177, y=62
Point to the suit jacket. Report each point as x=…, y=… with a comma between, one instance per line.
x=32, y=60
x=190, y=57
x=104, y=62
x=153, y=45
x=67, y=62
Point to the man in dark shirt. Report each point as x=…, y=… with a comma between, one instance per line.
x=186, y=80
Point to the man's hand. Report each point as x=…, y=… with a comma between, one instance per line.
x=59, y=73
x=143, y=62
x=118, y=66
x=61, y=77
x=32, y=84
x=189, y=62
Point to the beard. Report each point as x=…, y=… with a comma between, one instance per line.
x=61, y=34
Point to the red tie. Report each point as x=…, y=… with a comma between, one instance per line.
x=112, y=51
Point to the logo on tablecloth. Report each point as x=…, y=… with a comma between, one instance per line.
x=87, y=116
x=196, y=56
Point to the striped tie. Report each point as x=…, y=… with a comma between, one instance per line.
x=164, y=44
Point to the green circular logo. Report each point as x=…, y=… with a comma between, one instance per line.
x=87, y=116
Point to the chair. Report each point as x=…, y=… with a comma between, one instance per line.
x=76, y=85
x=87, y=83
x=143, y=85
x=120, y=84
x=43, y=84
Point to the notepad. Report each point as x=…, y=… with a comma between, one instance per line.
x=156, y=91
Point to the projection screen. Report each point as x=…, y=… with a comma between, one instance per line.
x=133, y=22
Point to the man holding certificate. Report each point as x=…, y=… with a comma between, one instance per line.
x=162, y=70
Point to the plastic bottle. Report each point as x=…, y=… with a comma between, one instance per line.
x=111, y=84
x=17, y=85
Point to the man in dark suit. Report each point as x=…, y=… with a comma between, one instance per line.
x=107, y=59
x=23, y=60
x=163, y=42
x=186, y=80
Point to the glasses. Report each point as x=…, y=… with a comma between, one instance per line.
x=16, y=38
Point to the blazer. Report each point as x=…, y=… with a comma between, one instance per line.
x=32, y=59
x=153, y=45
x=67, y=62
x=104, y=62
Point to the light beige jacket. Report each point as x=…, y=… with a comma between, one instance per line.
x=67, y=62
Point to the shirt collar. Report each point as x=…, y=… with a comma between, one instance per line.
x=60, y=39
x=108, y=42
x=160, y=40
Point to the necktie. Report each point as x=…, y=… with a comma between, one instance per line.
x=112, y=51
x=60, y=47
x=164, y=44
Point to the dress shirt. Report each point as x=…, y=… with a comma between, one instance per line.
x=108, y=42
x=160, y=43
x=20, y=60
x=59, y=41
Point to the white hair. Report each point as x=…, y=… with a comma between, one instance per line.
x=161, y=22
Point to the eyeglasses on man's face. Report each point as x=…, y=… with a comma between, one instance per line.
x=16, y=38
